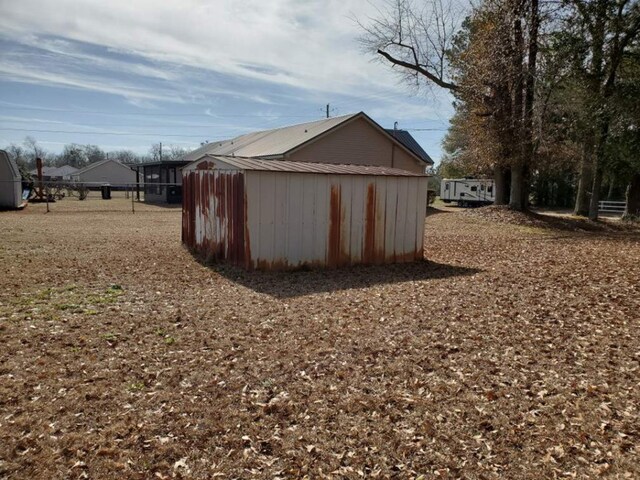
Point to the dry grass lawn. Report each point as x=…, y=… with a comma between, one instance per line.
x=513, y=352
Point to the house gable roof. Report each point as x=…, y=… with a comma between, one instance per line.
x=269, y=143
x=408, y=141
x=278, y=142
x=97, y=164
x=55, y=171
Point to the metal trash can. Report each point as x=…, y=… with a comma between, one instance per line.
x=106, y=191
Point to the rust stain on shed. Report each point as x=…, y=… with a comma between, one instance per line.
x=369, y=253
x=335, y=226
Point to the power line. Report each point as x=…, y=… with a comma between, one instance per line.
x=102, y=133
x=159, y=134
x=157, y=114
x=122, y=125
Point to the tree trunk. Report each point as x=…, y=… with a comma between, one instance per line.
x=582, y=197
x=501, y=185
x=598, y=168
x=518, y=190
x=633, y=198
x=595, y=192
x=612, y=186
x=518, y=119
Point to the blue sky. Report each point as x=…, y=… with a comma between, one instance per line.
x=126, y=74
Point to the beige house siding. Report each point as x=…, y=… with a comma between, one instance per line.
x=357, y=143
x=109, y=172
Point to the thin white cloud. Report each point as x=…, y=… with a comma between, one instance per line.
x=301, y=44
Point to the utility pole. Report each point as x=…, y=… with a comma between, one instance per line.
x=160, y=151
x=327, y=110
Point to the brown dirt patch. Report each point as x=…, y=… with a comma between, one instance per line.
x=510, y=353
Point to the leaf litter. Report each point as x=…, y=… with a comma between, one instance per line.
x=507, y=354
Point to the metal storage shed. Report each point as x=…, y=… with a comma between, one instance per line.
x=271, y=214
x=10, y=183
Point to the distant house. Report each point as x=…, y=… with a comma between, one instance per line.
x=55, y=173
x=106, y=171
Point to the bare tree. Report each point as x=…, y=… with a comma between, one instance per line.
x=31, y=145
x=416, y=38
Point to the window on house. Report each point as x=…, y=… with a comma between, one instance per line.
x=474, y=188
x=490, y=189
x=446, y=186
x=151, y=179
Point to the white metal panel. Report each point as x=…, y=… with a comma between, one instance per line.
x=381, y=204
x=280, y=216
x=321, y=220
x=265, y=251
x=409, y=234
x=309, y=236
x=295, y=223
x=358, y=197
x=421, y=207
x=391, y=211
x=401, y=216
x=346, y=203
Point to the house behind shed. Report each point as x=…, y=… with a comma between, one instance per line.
x=106, y=171
x=265, y=214
x=354, y=139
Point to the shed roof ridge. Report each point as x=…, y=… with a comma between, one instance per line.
x=252, y=163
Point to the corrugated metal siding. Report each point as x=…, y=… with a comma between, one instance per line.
x=333, y=220
x=284, y=220
x=358, y=143
x=213, y=215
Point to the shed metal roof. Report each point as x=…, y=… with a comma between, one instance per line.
x=155, y=163
x=303, y=167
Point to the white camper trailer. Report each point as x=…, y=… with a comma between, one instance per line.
x=467, y=191
x=10, y=183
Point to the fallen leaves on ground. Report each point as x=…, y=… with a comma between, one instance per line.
x=508, y=353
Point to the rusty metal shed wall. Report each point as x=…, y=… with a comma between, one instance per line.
x=213, y=215
x=296, y=219
x=283, y=220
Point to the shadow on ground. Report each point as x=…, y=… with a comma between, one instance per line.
x=299, y=283
x=431, y=211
